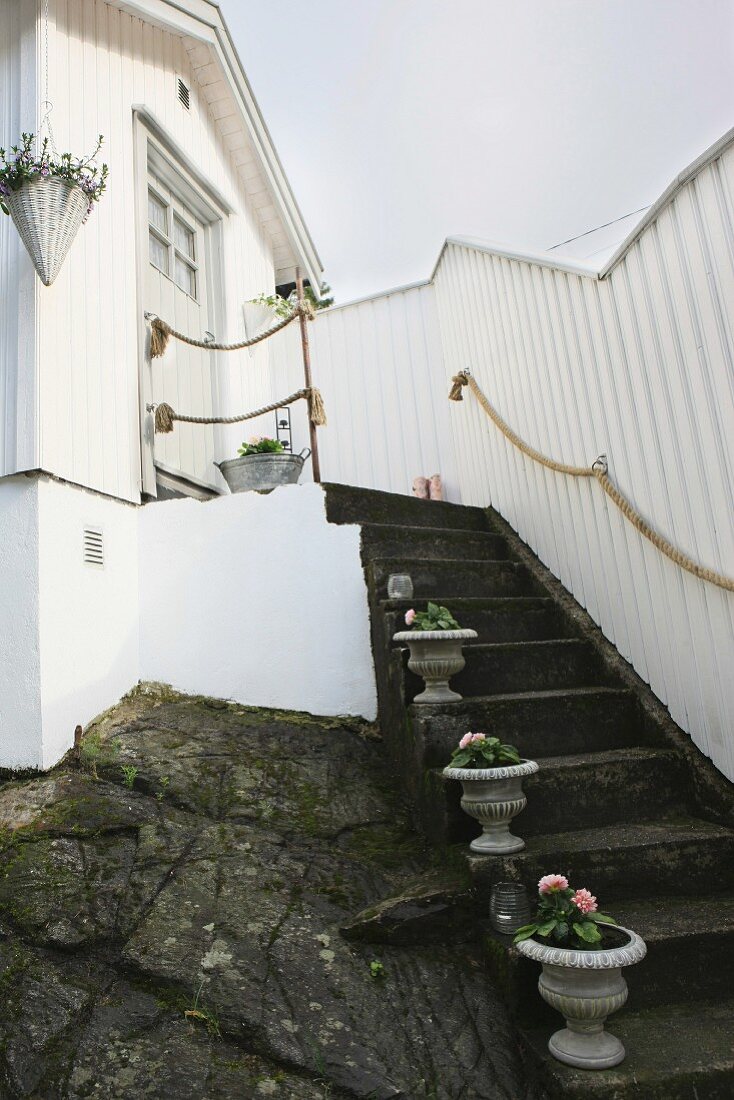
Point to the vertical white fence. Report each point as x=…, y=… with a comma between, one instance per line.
x=638, y=365
x=380, y=367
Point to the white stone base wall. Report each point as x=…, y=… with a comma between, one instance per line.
x=251, y=598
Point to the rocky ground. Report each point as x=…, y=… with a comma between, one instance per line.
x=182, y=917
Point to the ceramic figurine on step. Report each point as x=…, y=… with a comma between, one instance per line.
x=582, y=952
x=421, y=488
x=491, y=775
x=435, y=487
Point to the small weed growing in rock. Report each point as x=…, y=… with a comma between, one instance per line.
x=95, y=752
x=129, y=775
x=377, y=970
x=162, y=787
x=204, y=1015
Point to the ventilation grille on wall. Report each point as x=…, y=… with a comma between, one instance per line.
x=184, y=94
x=94, y=546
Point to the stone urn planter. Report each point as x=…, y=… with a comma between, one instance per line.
x=436, y=656
x=493, y=796
x=262, y=473
x=586, y=986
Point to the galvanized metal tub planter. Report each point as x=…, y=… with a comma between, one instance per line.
x=262, y=473
x=47, y=212
x=493, y=797
x=436, y=656
x=586, y=986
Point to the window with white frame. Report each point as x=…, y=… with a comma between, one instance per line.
x=173, y=247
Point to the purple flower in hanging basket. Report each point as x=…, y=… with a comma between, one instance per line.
x=45, y=171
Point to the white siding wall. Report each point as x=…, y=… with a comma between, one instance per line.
x=18, y=378
x=379, y=365
x=88, y=321
x=638, y=366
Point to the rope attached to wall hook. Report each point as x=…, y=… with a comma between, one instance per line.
x=161, y=332
x=599, y=470
x=165, y=415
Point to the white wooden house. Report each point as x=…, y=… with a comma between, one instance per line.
x=199, y=217
x=258, y=598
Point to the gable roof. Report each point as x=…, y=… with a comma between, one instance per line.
x=224, y=84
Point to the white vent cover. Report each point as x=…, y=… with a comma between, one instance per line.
x=184, y=96
x=93, y=546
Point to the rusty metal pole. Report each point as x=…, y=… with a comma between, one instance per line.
x=315, y=465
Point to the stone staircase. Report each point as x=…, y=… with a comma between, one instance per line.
x=623, y=803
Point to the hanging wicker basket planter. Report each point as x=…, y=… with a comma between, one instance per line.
x=47, y=212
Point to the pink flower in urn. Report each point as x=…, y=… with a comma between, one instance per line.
x=466, y=740
x=584, y=901
x=479, y=737
x=410, y=617
x=551, y=884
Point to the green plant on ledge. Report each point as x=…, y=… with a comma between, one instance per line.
x=260, y=445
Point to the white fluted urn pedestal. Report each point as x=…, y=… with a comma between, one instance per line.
x=585, y=987
x=493, y=797
x=436, y=656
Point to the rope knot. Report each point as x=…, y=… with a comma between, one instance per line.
x=164, y=418
x=305, y=308
x=457, y=383
x=600, y=466
x=316, y=410
x=160, y=334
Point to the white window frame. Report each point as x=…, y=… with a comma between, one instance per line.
x=167, y=238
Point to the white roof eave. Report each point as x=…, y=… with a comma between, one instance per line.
x=202, y=20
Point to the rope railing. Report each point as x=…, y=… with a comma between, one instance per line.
x=161, y=332
x=599, y=470
x=165, y=416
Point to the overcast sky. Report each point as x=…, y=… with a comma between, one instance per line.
x=401, y=122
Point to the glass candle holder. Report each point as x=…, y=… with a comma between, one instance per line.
x=509, y=907
x=399, y=586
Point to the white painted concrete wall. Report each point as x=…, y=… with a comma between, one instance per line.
x=88, y=615
x=68, y=631
x=251, y=598
x=256, y=599
x=20, y=648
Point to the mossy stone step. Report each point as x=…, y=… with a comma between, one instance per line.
x=495, y=619
x=539, y=723
x=550, y=664
x=681, y=855
x=674, y=1052
x=388, y=540
x=349, y=504
x=637, y=784
x=679, y=932
x=449, y=577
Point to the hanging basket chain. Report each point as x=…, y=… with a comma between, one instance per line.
x=161, y=332
x=165, y=416
x=600, y=472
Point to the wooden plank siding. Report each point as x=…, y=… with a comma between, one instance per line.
x=640, y=366
x=87, y=322
x=380, y=367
